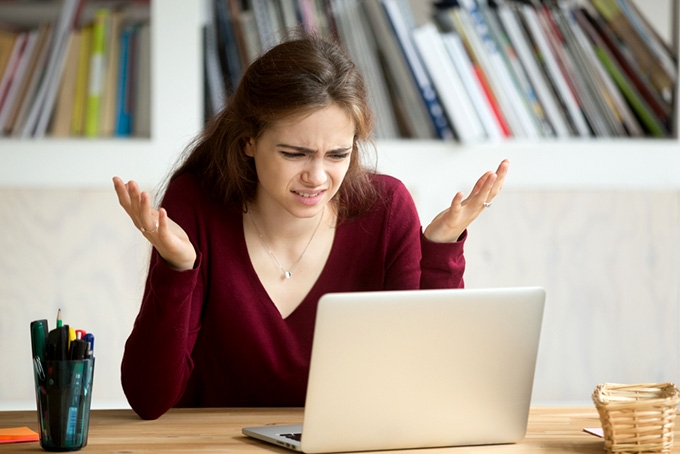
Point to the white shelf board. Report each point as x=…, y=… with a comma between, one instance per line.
x=548, y=165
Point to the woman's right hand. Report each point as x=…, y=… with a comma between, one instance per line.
x=169, y=239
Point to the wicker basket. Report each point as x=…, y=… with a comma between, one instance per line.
x=637, y=418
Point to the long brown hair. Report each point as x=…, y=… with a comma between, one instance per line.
x=301, y=75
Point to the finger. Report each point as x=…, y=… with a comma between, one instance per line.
x=457, y=201
x=484, y=194
x=148, y=221
x=135, y=202
x=501, y=173
x=480, y=185
x=122, y=193
x=163, y=223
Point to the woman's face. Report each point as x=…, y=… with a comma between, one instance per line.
x=301, y=161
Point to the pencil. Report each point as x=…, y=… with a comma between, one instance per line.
x=59, y=321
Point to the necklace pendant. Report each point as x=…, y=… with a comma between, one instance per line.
x=287, y=274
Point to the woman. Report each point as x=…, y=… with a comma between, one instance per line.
x=272, y=208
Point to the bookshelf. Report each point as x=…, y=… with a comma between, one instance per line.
x=177, y=115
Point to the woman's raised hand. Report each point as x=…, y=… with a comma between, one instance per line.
x=169, y=239
x=450, y=224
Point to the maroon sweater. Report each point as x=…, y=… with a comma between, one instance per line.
x=211, y=336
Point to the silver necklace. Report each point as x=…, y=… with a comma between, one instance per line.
x=287, y=273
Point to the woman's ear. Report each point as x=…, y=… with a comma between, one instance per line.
x=249, y=148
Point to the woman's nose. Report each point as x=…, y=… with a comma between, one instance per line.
x=314, y=173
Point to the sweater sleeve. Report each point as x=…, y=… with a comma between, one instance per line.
x=442, y=264
x=157, y=358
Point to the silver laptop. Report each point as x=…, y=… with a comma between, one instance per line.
x=416, y=369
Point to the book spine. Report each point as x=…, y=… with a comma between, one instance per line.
x=82, y=82
x=124, y=78
x=44, y=108
x=447, y=82
x=15, y=77
x=97, y=73
x=556, y=75
x=537, y=77
x=472, y=85
x=512, y=101
x=12, y=65
x=434, y=107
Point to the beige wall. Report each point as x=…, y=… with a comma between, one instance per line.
x=609, y=260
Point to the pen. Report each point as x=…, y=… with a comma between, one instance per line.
x=71, y=337
x=57, y=344
x=39, y=338
x=78, y=349
x=89, y=337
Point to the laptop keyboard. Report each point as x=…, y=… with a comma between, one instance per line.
x=294, y=436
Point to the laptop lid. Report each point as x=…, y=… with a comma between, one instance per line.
x=421, y=368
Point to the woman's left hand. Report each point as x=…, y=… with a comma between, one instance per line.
x=450, y=224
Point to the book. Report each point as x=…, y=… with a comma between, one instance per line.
x=12, y=65
x=7, y=39
x=245, y=30
x=556, y=75
x=97, y=72
x=502, y=74
x=61, y=123
x=633, y=72
x=458, y=19
x=473, y=86
x=107, y=110
x=15, y=74
x=516, y=70
x=450, y=89
x=423, y=82
x=662, y=52
x=447, y=22
x=639, y=106
x=82, y=82
x=42, y=105
x=31, y=91
x=25, y=82
x=126, y=82
x=406, y=96
x=215, y=93
x=611, y=93
x=509, y=18
x=265, y=29
x=601, y=110
x=638, y=53
x=142, y=117
x=245, y=52
x=575, y=72
x=357, y=38
x=227, y=45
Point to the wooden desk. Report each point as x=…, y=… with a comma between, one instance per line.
x=551, y=430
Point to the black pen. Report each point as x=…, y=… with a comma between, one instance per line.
x=57, y=344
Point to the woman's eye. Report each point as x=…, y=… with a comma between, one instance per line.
x=340, y=156
x=289, y=155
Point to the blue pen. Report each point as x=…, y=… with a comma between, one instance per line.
x=89, y=338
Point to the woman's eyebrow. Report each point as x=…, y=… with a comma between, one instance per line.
x=309, y=150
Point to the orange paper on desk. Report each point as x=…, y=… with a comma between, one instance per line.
x=18, y=434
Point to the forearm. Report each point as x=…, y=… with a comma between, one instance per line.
x=157, y=358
